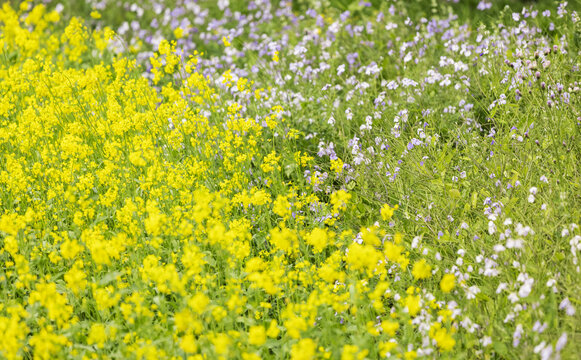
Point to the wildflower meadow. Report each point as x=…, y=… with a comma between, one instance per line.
x=309, y=179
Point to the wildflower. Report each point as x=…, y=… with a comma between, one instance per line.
x=97, y=335
x=305, y=349
x=442, y=337
x=387, y=211
x=339, y=200
x=389, y=327
x=447, y=283
x=421, y=270
x=257, y=335
x=273, y=330
x=318, y=238
x=412, y=303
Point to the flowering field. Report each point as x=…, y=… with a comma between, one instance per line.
x=326, y=179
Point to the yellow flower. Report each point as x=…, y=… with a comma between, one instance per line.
x=95, y=14
x=304, y=350
x=188, y=344
x=250, y=356
x=76, y=277
x=443, y=337
x=97, y=335
x=221, y=343
x=387, y=211
x=70, y=249
x=282, y=207
x=339, y=200
x=46, y=344
x=337, y=166
x=363, y=257
x=386, y=347
x=318, y=239
x=199, y=303
x=273, y=330
x=412, y=303
x=257, y=335
x=389, y=327
x=178, y=33
x=294, y=326
x=421, y=270
x=284, y=239
x=448, y=283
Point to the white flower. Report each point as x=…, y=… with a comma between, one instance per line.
x=471, y=292
x=514, y=244
x=415, y=242
x=517, y=335
x=539, y=347
x=547, y=352
x=513, y=297
x=561, y=342
x=491, y=228
x=526, y=288
x=223, y=4
x=485, y=341
x=390, y=26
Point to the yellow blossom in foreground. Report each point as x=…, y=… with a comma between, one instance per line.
x=273, y=329
x=257, y=335
x=442, y=337
x=318, y=239
x=386, y=347
x=389, y=327
x=421, y=270
x=448, y=283
x=305, y=349
x=178, y=33
x=387, y=211
x=97, y=335
x=339, y=200
x=412, y=303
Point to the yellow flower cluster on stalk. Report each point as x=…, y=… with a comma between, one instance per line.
x=143, y=220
